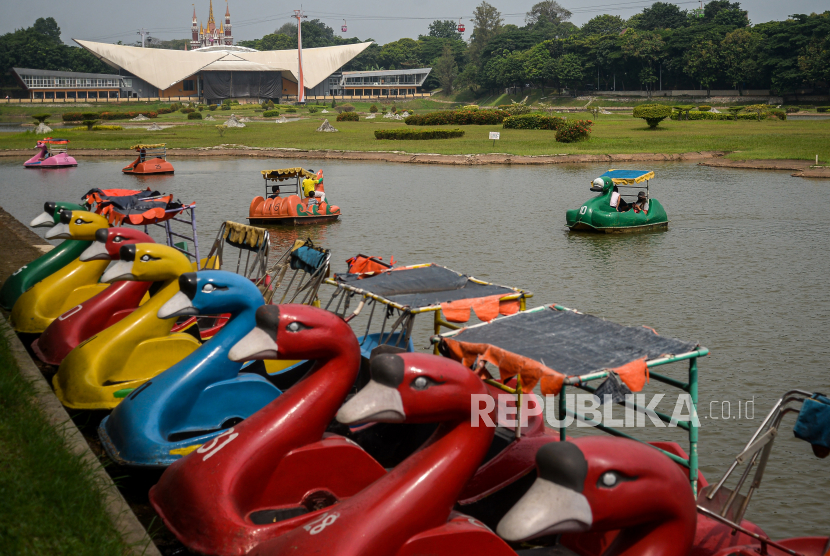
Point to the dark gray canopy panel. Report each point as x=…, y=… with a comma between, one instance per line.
x=572, y=343
x=220, y=85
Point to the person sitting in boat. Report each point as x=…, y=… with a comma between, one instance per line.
x=275, y=192
x=641, y=204
x=618, y=202
x=308, y=186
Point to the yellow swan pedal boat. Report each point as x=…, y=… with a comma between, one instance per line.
x=68, y=287
x=127, y=354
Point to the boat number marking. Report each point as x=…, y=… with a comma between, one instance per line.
x=583, y=209
x=158, y=166
x=19, y=270
x=321, y=523
x=70, y=312
x=211, y=447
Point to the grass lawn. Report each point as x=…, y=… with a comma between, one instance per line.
x=50, y=502
x=612, y=134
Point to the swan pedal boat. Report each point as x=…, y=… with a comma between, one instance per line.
x=31, y=273
x=152, y=159
x=290, y=207
x=51, y=156
x=597, y=214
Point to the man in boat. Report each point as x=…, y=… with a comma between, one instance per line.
x=618, y=202
x=308, y=186
x=275, y=192
x=642, y=203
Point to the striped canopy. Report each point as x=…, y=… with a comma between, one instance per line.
x=628, y=177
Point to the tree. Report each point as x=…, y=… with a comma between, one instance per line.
x=568, y=70
x=289, y=29
x=647, y=47
x=549, y=10
x=445, y=69
x=468, y=78
x=703, y=62
x=815, y=61
x=604, y=25
x=662, y=16
x=724, y=12
x=539, y=65
x=487, y=23
x=739, y=51
x=445, y=29
x=402, y=53
x=653, y=114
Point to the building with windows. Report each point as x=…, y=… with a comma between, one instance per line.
x=383, y=82
x=71, y=85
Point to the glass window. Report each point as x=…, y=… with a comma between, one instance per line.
x=113, y=94
x=92, y=94
x=127, y=83
x=189, y=85
x=38, y=94
x=60, y=94
x=81, y=94
x=50, y=94
x=70, y=94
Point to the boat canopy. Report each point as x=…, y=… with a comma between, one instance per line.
x=425, y=287
x=283, y=174
x=628, y=177
x=148, y=146
x=52, y=141
x=135, y=207
x=550, y=344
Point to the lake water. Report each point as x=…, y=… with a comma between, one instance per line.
x=743, y=269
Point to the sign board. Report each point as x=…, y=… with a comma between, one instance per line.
x=494, y=135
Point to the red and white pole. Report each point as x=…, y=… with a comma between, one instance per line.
x=300, y=81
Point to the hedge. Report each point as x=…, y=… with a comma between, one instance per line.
x=348, y=117
x=415, y=134
x=212, y=107
x=533, y=121
x=271, y=113
x=822, y=109
x=124, y=115
x=194, y=116
x=187, y=110
x=574, y=130
x=653, y=114
x=99, y=128
x=458, y=117
x=72, y=116
x=697, y=115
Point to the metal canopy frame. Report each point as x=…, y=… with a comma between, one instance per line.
x=298, y=174
x=581, y=382
x=307, y=287
x=257, y=269
x=405, y=314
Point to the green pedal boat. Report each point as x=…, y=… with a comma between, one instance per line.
x=614, y=211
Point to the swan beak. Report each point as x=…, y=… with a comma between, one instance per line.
x=121, y=270
x=179, y=305
x=257, y=344
x=43, y=220
x=375, y=402
x=59, y=231
x=546, y=509
x=95, y=252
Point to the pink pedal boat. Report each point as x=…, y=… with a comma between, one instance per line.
x=51, y=154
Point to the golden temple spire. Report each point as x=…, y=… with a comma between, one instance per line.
x=211, y=21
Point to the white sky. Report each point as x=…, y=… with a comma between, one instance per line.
x=382, y=20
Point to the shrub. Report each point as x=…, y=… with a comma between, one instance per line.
x=164, y=111
x=89, y=116
x=653, y=114
x=312, y=110
x=373, y=109
x=123, y=115
x=780, y=114
x=194, y=116
x=175, y=107
x=394, y=109
x=345, y=108
x=73, y=116
x=187, y=110
x=704, y=108
x=290, y=110
x=89, y=124
x=267, y=104
x=794, y=109
x=574, y=130
x=212, y=107
x=226, y=106
x=411, y=134
x=40, y=118
x=271, y=113
x=822, y=109
x=333, y=103
x=515, y=109
x=221, y=129
x=99, y=128
x=471, y=107
x=698, y=115
x=201, y=108
x=533, y=121
x=458, y=117
x=348, y=117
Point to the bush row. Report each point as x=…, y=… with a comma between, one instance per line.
x=194, y=115
x=822, y=109
x=271, y=113
x=79, y=116
x=99, y=128
x=348, y=117
x=574, y=130
x=533, y=121
x=414, y=134
x=697, y=115
x=458, y=117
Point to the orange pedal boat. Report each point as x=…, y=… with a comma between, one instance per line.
x=292, y=203
x=152, y=159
